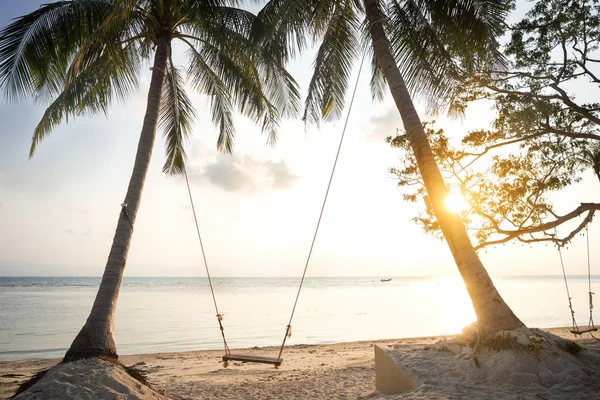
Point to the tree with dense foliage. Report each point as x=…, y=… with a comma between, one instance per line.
x=81, y=55
x=423, y=47
x=545, y=137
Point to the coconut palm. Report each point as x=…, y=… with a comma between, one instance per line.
x=81, y=55
x=418, y=46
x=590, y=157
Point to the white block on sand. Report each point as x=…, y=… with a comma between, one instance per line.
x=389, y=377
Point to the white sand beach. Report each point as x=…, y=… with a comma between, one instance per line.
x=332, y=371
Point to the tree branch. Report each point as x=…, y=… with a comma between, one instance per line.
x=590, y=208
x=575, y=107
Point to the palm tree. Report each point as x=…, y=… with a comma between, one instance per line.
x=423, y=46
x=83, y=54
x=590, y=157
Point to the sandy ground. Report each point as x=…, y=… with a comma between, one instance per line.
x=347, y=371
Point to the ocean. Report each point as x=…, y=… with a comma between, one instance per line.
x=39, y=317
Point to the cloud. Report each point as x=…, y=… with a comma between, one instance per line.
x=1, y=176
x=384, y=125
x=235, y=173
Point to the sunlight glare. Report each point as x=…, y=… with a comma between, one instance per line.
x=455, y=202
x=452, y=296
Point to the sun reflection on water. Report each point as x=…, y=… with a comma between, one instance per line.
x=451, y=295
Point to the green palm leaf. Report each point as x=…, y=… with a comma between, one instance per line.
x=176, y=120
x=333, y=64
x=206, y=81
x=258, y=84
x=35, y=49
x=281, y=28
x=81, y=55
x=378, y=84
x=92, y=90
x=436, y=43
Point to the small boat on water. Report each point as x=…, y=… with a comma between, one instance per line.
x=386, y=279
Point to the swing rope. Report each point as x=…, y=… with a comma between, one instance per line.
x=288, y=330
x=562, y=265
x=212, y=291
x=590, y=293
x=591, y=327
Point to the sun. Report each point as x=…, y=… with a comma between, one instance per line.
x=455, y=202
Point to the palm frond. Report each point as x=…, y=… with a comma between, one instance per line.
x=196, y=7
x=591, y=158
x=323, y=12
x=281, y=89
x=206, y=81
x=421, y=56
x=226, y=24
x=36, y=48
x=438, y=42
x=231, y=35
x=378, y=83
x=113, y=75
x=281, y=28
x=242, y=79
x=333, y=65
x=258, y=84
x=470, y=28
x=227, y=50
x=121, y=26
x=81, y=55
x=176, y=118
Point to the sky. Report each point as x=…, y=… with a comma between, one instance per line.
x=257, y=208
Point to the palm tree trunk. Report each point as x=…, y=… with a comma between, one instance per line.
x=96, y=338
x=493, y=314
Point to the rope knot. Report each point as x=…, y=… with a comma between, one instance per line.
x=126, y=214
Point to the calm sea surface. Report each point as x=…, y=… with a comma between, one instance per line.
x=39, y=317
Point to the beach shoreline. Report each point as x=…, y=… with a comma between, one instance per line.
x=340, y=370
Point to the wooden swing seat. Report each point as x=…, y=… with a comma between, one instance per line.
x=254, y=359
x=582, y=331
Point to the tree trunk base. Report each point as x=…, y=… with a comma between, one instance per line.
x=522, y=363
x=88, y=379
x=520, y=340
x=494, y=316
x=88, y=344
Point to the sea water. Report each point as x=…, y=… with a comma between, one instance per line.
x=39, y=317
